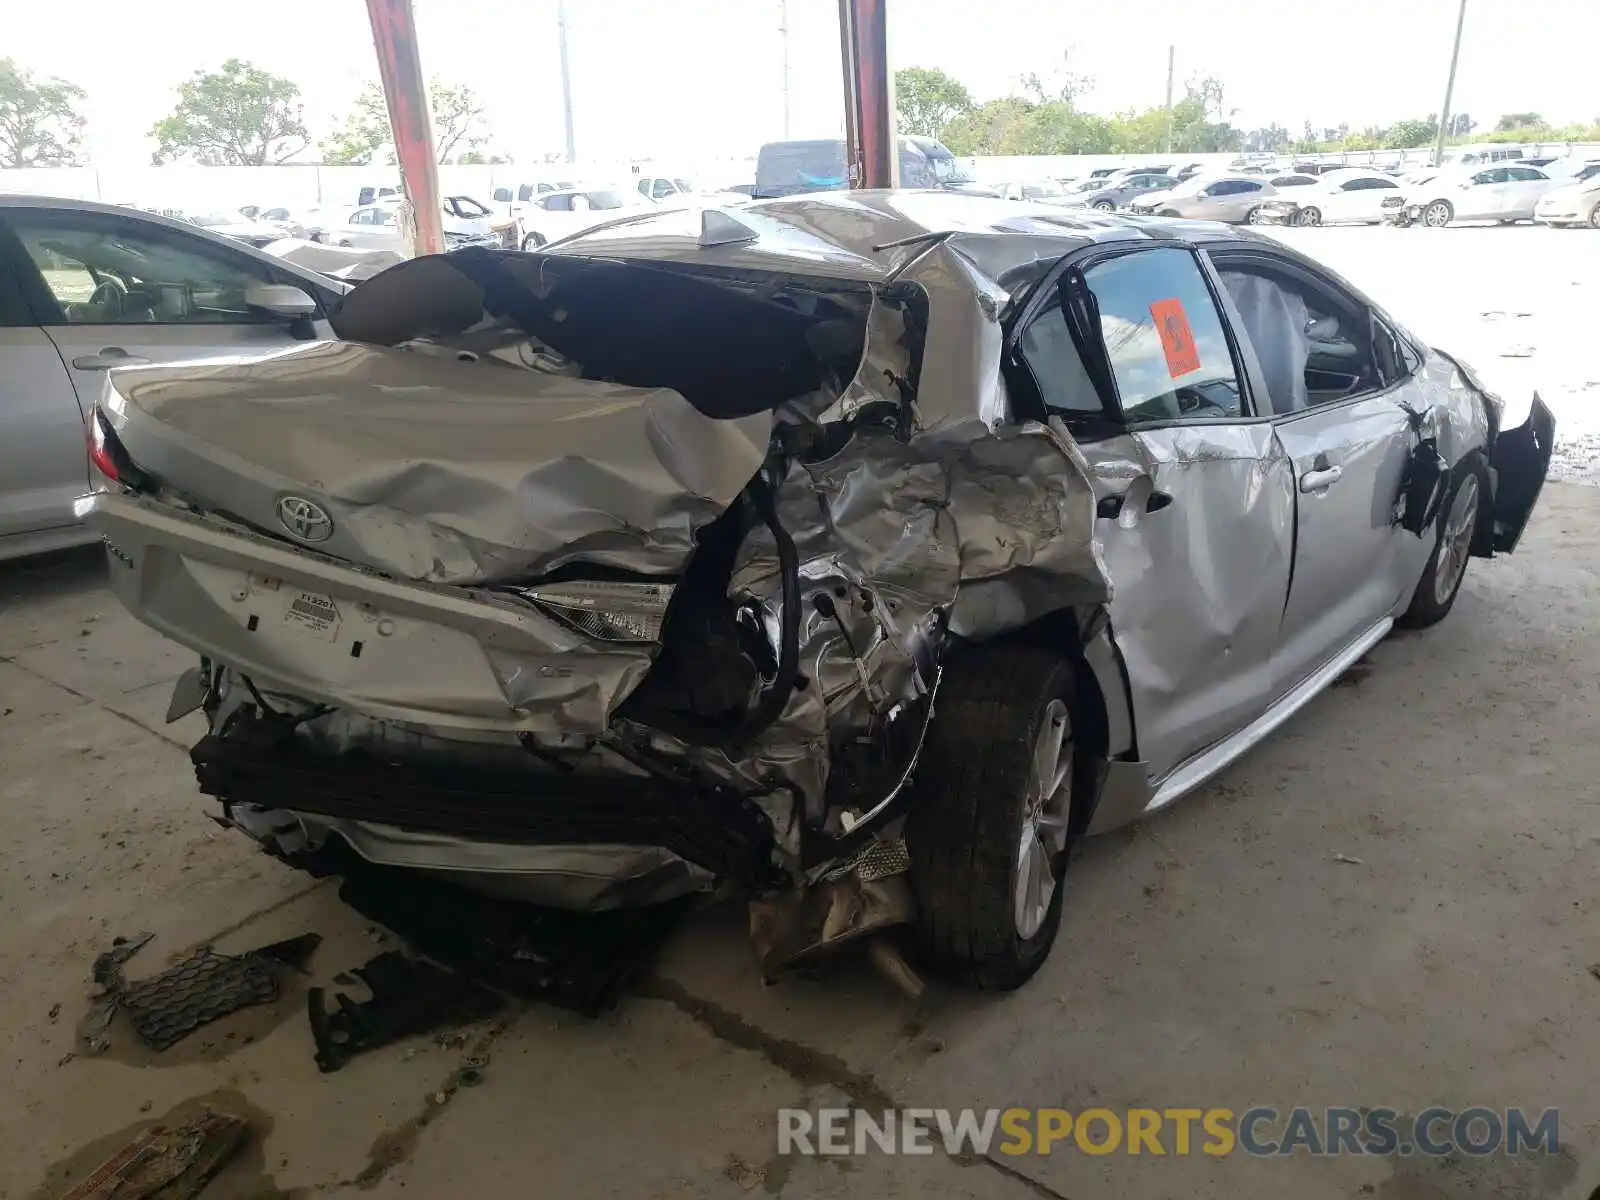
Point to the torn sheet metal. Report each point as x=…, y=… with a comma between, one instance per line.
x=471, y=453
x=437, y=470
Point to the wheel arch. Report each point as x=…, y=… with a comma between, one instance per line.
x=1103, y=719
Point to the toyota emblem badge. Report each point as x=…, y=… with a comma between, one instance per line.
x=306, y=519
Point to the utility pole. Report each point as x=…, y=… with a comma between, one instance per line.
x=783, y=32
x=1172, y=58
x=566, y=80
x=1449, y=88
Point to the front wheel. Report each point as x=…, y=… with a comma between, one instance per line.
x=1594, y=217
x=1447, y=565
x=1104, y=206
x=1308, y=217
x=1438, y=214
x=533, y=241
x=991, y=817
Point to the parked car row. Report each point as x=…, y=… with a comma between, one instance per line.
x=1506, y=193
x=1550, y=190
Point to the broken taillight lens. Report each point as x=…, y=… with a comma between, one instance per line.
x=101, y=453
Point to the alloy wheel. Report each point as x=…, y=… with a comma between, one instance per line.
x=1044, y=823
x=1437, y=215
x=1455, y=543
x=1309, y=216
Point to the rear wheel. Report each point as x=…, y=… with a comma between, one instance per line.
x=1253, y=217
x=1438, y=214
x=1447, y=565
x=990, y=824
x=1308, y=216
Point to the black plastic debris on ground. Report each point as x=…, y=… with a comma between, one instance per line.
x=578, y=961
x=409, y=996
x=166, y=1008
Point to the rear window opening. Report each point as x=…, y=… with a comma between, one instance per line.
x=731, y=343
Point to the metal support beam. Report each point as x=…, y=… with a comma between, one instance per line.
x=871, y=148
x=1449, y=87
x=405, y=91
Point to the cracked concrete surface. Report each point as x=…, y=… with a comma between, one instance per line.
x=1219, y=955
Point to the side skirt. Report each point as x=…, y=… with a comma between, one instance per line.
x=1130, y=793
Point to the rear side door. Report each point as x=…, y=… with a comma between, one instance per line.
x=119, y=290
x=1362, y=199
x=1195, y=509
x=1523, y=187
x=1484, y=195
x=1341, y=419
x=43, y=464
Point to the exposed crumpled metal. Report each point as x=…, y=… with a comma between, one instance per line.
x=468, y=473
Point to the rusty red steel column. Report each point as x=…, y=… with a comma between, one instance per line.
x=405, y=91
x=871, y=152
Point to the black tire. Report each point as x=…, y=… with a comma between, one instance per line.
x=1170, y=212
x=1436, y=214
x=1308, y=216
x=1253, y=217
x=533, y=241
x=1594, y=217
x=1428, y=607
x=969, y=807
x=1104, y=206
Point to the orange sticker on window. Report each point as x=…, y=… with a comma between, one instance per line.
x=1177, y=339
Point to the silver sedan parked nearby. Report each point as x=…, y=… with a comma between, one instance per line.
x=861, y=554
x=1236, y=199
x=85, y=287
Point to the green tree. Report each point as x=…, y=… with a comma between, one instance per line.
x=365, y=136
x=988, y=127
x=1273, y=139
x=238, y=116
x=1518, y=120
x=926, y=100
x=1412, y=132
x=39, y=121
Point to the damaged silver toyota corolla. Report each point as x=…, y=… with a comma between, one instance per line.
x=858, y=551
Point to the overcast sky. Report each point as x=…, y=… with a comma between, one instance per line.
x=704, y=78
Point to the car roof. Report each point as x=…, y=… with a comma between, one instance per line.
x=871, y=235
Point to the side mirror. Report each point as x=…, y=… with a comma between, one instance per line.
x=280, y=299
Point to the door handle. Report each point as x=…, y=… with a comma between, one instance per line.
x=1320, y=479
x=109, y=356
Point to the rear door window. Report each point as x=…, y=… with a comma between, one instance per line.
x=1163, y=337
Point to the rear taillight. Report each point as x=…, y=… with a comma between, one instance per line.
x=100, y=448
x=109, y=456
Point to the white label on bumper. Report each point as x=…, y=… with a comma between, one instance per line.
x=315, y=613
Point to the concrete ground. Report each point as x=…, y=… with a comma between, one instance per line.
x=1391, y=903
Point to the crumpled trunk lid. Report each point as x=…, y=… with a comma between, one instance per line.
x=430, y=468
